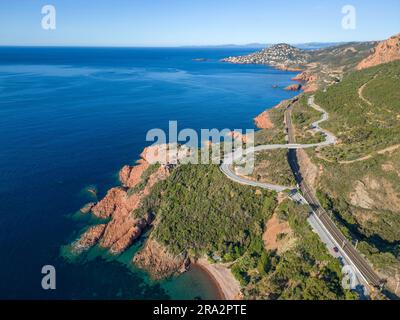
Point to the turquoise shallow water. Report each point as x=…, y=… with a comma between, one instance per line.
x=72, y=117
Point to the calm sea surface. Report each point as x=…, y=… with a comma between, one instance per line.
x=71, y=118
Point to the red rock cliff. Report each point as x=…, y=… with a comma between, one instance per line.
x=263, y=120
x=159, y=262
x=310, y=80
x=386, y=51
x=118, y=205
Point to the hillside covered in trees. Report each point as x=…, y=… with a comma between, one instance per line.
x=360, y=176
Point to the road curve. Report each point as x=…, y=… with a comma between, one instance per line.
x=239, y=153
x=346, y=248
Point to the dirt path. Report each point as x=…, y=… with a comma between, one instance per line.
x=369, y=156
x=360, y=94
x=364, y=158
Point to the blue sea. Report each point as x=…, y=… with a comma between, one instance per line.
x=71, y=118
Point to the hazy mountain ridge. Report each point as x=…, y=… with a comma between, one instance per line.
x=257, y=45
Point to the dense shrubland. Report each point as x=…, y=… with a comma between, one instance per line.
x=363, y=127
x=306, y=271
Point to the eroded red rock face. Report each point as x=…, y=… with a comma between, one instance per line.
x=118, y=204
x=309, y=79
x=386, y=51
x=159, y=262
x=114, y=201
x=130, y=176
x=293, y=87
x=263, y=121
x=129, y=237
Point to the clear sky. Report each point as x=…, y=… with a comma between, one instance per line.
x=194, y=22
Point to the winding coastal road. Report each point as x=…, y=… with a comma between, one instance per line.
x=319, y=218
x=239, y=153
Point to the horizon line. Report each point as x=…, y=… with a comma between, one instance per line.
x=249, y=45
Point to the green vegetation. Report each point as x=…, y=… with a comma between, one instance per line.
x=364, y=196
x=305, y=272
x=272, y=167
x=277, y=133
x=383, y=92
x=199, y=210
x=345, y=56
x=330, y=64
x=304, y=115
x=380, y=260
x=302, y=118
x=363, y=128
x=377, y=229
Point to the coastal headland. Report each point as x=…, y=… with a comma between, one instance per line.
x=130, y=209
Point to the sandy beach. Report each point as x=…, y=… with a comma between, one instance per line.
x=228, y=286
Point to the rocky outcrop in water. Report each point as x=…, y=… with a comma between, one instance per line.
x=120, y=202
x=88, y=239
x=129, y=237
x=87, y=207
x=293, y=87
x=119, y=205
x=309, y=79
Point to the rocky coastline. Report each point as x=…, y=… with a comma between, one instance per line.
x=121, y=228
x=118, y=205
x=294, y=87
x=158, y=262
x=286, y=58
x=309, y=81
x=263, y=120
